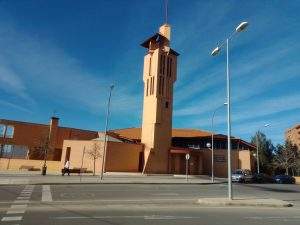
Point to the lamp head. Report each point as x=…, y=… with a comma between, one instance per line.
x=241, y=27
x=215, y=51
x=208, y=145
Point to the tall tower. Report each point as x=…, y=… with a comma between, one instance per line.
x=160, y=65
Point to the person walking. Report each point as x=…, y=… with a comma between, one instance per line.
x=67, y=168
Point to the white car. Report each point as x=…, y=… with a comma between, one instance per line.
x=241, y=176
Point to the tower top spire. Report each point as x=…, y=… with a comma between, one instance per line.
x=166, y=11
x=165, y=30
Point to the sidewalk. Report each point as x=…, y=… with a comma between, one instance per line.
x=9, y=177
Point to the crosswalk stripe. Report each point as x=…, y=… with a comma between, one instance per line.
x=46, y=194
x=15, y=211
x=12, y=218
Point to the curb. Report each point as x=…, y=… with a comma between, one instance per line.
x=97, y=183
x=275, y=203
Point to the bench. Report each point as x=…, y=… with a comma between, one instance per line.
x=29, y=168
x=24, y=167
x=77, y=170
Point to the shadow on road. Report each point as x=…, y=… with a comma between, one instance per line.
x=276, y=188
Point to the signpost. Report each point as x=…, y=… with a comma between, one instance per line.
x=187, y=157
x=82, y=163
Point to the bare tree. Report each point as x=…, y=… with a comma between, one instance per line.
x=42, y=148
x=94, y=153
x=286, y=157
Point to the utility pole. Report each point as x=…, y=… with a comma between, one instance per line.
x=105, y=135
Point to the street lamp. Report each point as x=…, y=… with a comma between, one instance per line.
x=241, y=27
x=105, y=135
x=208, y=145
x=257, y=147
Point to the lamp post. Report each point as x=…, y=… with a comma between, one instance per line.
x=211, y=145
x=257, y=147
x=105, y=135
x=241, y=27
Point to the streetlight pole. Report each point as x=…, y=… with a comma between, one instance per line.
x=228, y=123
x=257, y=147
x=241, y=27
x=212, y=144
x=105, y=135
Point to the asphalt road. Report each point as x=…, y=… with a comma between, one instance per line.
x=141, y=204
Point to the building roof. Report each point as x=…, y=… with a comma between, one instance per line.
x=157, y=38
x=135, y=133
x=13, y=122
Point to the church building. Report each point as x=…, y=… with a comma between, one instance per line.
x=155, y=148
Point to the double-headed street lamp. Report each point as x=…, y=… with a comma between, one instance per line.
x=241, y=27
x=105, y=135
x=257, y=147
x=211, y=145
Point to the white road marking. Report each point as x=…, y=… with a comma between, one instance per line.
x=16, y=211
x=273, y=217
x=12, y=218
x=46, y=194
x=166, y=194
x=23, y=198
x=21, y=201
x=145, y=217
x=26, y=193
x=18, y=206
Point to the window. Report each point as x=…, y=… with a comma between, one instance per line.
x=220, y=158
x=170, y=70
x=9, y=132
x=7, y=151
x=159, y=84
x=152, y=86
x=168, y=65
x=68, y=153
x=15, y=151
x=167, y=104
x=163, y=64
x=150, y=59
x=163, y=86
x=147, y=88
x=2, y=130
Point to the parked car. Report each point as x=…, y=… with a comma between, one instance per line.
x=241, y=176
x=262, y=178
x=284, y=179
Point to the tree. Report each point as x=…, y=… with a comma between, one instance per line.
x=94, y=153
x=265, y=151
x=287, y=157
x=42, y=149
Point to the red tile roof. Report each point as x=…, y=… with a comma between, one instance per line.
x=135, y=133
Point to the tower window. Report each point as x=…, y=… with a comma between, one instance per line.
x=159, y=84
x=147, y=88
x=151, y=86
x=150, y=59
x=167, y=104
x=168, y=66
x=170, y=70
x=163, y=64
x=163, y=86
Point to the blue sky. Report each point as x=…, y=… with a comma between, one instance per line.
x=63, y=55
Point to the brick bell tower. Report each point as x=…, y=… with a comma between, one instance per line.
x=160, y=67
